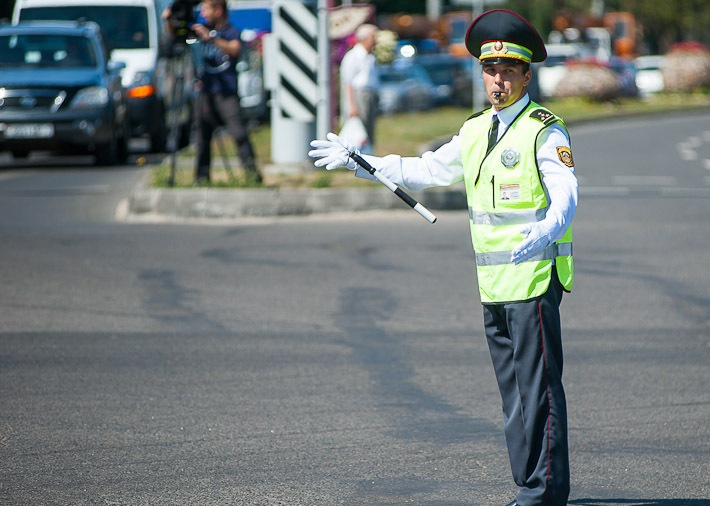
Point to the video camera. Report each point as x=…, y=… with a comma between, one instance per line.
x=182, y=17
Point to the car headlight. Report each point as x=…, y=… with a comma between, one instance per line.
x=94, y=96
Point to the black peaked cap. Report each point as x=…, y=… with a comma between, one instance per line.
x=504, y=26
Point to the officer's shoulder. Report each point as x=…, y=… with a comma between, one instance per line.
x=477, y=114
x=542, y=115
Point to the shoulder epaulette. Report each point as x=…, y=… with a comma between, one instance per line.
x=543, y=115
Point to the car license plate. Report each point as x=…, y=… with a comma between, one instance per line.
x=29, y=131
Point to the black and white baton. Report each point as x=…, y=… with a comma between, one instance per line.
x=426, y=214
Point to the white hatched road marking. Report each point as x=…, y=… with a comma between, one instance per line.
x=688, y=148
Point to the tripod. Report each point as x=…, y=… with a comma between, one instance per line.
x=176, y=76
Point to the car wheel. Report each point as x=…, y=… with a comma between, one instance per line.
x=159, y=134
x=20, y=153
x=122, y=154
x=107, y=152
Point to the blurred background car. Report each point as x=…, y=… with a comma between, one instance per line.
x=405, y=87
x=649, y=74
x=554, y=68
x=253, y=95
x=158, y=77
x=625, y=72
x=60, y=91
x=534, y=85
x=451, y=76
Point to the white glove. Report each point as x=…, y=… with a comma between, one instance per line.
x=333, y=153
x=537, y=238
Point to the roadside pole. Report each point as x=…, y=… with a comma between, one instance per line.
x=477, y=7
x=292, y=75
x=323, y=124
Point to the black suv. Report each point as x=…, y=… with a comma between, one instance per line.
x=158, y=77
x=60, y=92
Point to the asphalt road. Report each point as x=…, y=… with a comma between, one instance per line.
x=340, y=360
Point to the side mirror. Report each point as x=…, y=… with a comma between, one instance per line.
x=115, y=66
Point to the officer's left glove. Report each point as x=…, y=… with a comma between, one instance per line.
x=537, y=238
x=333, y=153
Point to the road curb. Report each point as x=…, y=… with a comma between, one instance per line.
x=146, y=203
x=215, y=203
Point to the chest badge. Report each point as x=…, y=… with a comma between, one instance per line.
x=510, y=158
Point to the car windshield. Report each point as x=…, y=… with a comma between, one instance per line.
x=445, y=72
x=440, y=72
x=556, y=60
x=392, y=75
x=648, y=63
x=123, y=27
x=50, y=51
x=398, y=74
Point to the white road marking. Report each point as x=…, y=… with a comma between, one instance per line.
x=644, y=181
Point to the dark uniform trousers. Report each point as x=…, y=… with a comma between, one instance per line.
x=525, y=341
x=366, y=101
x=213, y=110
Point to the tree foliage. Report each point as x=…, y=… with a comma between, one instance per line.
x=662, y=22
x=668, y=22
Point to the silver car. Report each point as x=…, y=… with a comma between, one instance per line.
x=405, y=87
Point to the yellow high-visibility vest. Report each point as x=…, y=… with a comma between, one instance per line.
x=504, y=191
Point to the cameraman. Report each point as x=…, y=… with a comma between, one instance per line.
x=217, y=102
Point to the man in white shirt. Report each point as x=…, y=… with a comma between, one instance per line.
x=516, y=162
x=359, y=82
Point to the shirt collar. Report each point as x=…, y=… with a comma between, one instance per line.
x=508, y=114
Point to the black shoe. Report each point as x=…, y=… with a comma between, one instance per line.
x=513, y=503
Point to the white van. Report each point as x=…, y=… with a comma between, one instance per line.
x=133, y=31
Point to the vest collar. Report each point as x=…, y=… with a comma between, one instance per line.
x=508, y=114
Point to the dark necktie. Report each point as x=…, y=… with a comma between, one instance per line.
x=493, y=134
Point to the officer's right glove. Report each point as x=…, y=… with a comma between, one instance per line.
x=537, y=237
x=333, y=153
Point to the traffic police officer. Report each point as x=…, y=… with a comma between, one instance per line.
x=516, y=163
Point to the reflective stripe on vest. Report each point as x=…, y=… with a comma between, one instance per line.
x=516, y=218
x=503, y=257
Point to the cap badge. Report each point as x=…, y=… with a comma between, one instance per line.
x=499, y=47
x=510, y=158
